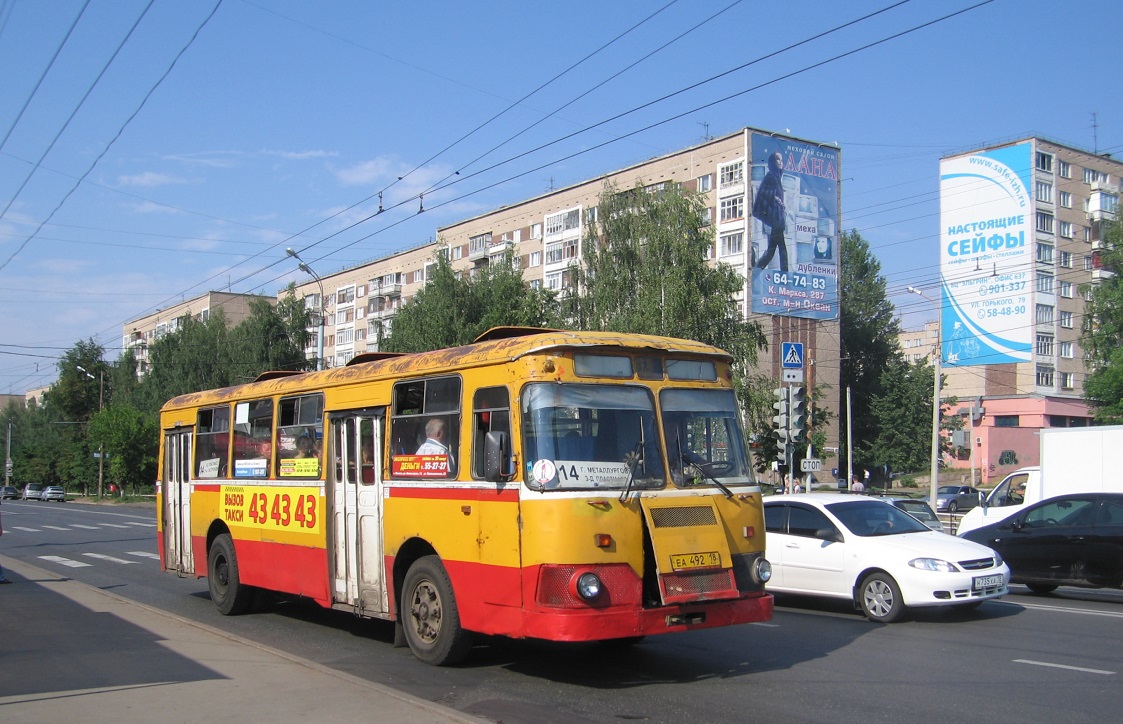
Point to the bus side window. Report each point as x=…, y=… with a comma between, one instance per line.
x=212, y=442
x=253, y=438
x=425, y=428
x=491, y=412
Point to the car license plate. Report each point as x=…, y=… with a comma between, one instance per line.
x=709, y=559
x=981, y=582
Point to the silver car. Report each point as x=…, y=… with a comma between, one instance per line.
x=32, y=491
x=954, y=498
x=919, y=510
x=53, y=492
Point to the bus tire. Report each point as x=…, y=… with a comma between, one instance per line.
x=228, y=593
x=429, y=615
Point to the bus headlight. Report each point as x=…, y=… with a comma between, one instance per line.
x=762, y=570
x=589, y=586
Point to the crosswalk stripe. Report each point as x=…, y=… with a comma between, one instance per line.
x=145, y=554
x=65, y=561
x=146, y=525
x=113, y=525
x=86, y=527
x=26, y=530
x=55, y=527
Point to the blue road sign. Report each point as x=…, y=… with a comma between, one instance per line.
x=792, y=355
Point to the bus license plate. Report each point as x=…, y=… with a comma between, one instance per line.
x=981, y=582
x=709, y=559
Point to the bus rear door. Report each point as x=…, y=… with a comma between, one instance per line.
x=355, y=495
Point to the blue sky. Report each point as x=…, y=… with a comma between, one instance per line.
x=145, y=168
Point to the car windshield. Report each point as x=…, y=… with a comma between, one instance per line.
x=948, y=490
x=874, y=518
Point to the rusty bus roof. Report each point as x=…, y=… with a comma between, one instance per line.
x=498, y=348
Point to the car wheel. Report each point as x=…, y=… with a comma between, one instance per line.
x=230, y=596
x=1041, y=587
x=880, y=598
x=430, y=618
x=953, y=506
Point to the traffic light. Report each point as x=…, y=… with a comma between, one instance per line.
x=780, y=423
x=797, y=413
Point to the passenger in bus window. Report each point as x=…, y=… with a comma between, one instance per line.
x=436, y=439
x=305, y=448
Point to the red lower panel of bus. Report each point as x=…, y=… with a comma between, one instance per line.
x=551, y=609
x=278, y=567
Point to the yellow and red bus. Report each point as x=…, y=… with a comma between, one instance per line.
x=569, y=486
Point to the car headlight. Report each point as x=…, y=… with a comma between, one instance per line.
x=933, y=564
x=997, y=558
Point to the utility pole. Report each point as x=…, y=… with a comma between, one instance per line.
x=100, y=408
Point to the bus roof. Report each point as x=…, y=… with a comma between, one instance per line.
x=502, y=345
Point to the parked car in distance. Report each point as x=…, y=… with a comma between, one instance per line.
x=9, y=491
x=1069, y=540
x=32, y=491
x=870, y=552
x=53, y=492
x=954, y=498
x=918, y=509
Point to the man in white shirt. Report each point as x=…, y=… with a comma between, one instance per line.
x=436, y=440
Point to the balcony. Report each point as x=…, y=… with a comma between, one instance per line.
x=385, y=290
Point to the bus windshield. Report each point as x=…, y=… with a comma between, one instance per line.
x=704, y=442
x=579, y=436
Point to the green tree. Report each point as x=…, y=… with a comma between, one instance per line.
x=129, y=438
x=453, y=309
x=1102, y=331
x=869, y=342
x=271, y=338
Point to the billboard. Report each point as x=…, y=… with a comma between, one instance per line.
x=794, y=227
x=986, y=256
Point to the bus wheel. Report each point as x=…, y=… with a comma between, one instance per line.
x=429, y=615
x=230, y=596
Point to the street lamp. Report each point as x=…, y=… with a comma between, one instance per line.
x=100, y=407
x=936, y=354
x=308, y=270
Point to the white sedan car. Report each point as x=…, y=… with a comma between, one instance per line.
x=881, y=558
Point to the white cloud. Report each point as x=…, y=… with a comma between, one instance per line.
x=150, y=179
x=300, y=155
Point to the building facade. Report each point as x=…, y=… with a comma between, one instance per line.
x=1021, y=237
x=139, y=333
x=794, y=298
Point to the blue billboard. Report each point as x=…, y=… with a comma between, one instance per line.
x=794, y=227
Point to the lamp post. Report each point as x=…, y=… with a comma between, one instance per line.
x=936, y=354
x=308, y=270
x=100, y=407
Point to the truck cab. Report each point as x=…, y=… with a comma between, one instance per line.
x=1008, y=497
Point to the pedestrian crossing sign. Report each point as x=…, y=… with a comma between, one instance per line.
x=792, y=355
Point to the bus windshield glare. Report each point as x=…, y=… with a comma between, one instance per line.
x=704, y=441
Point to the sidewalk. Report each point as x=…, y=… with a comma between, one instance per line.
x=71, y=652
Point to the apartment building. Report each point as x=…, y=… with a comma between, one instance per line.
x=1020, y=244
x=795, y=298
x=139, y=333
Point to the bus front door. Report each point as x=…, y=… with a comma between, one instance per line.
x=356, y=515
x=177, y=502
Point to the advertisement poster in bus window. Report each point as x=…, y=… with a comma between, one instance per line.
x=986, y=259
x=794, y=227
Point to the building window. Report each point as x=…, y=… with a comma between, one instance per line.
x=732, y=244
x=1092, y=175
x=1065, y=229
x=1044, y=314
x=1066, y=259
x=1045, y=345
x=733, y=173
x=1087, y=233
x=1064, y=170
x=1066, y=290
x=1066, y=380
x=535, y=284
x=553, y=281
x=1045, y=283
x=1044, y=253
x=535, y=258
x=1088, y=266
x=1067, y=350
x=1045, y=192
x=1066, y=199
x=1007, y=421
x=554, y=253
x=1044, y=376
x=1066, y=320
x=536, y=231
x=1045, y=222
x=705, y=183
x=591, y=215
x=733, y=208
x=1045, y=162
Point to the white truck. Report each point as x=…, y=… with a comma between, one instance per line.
x=1073, y=460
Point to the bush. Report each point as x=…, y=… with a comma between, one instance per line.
x=907, y=481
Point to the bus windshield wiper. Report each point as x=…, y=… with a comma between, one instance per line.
x=701, y=467
x=636, y=459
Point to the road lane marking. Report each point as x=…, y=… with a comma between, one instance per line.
x=145, y=554
x=1064, y=666
x=1066, y=609
x=146, y=525
x=87, y=527
x=26, y=530
x=65, y=561
x=55, y=527
x=113, y=525
x=103, y=557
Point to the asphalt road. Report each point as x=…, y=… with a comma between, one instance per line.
x=1025, y=657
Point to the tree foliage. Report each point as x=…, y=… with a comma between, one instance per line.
x=452, y=309
x=869, y=330
x=902, y=409
x=1102, y=332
